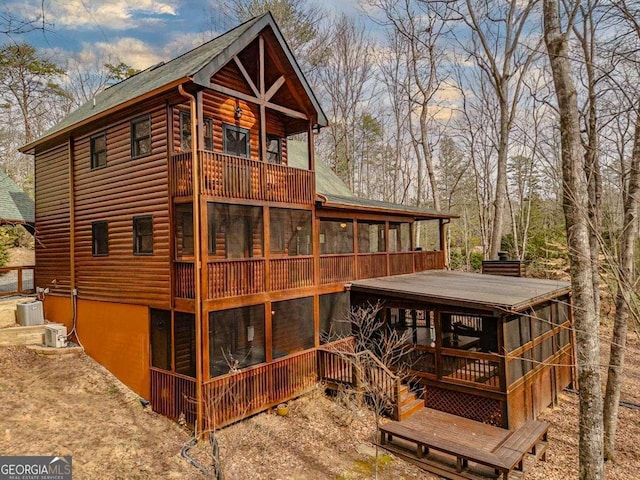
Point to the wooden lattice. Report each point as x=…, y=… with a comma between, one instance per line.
x=481, y=409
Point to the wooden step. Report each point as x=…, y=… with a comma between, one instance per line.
x=411, y=408
x=407, y=398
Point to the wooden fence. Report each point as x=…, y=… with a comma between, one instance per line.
x=17, y=280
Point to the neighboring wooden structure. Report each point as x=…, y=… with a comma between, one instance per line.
x=16, y=207
x=490, y=348
x=199, y=250
x=507, y=268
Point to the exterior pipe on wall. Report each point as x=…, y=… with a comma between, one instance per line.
x=197, y=260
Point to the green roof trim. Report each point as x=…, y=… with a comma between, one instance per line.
x=208, y=58
x=15, y=205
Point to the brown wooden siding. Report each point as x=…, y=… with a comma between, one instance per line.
x=231, y=77
x=125, y=188
x=52, y=220
x=221, y=110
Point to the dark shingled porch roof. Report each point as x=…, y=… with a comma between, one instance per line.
x=472, y=290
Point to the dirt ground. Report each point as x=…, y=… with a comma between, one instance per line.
x=72, y=406
x=19, y=256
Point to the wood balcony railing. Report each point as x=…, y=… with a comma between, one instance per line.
x=336, y=268
x=340, y=268
x=17, y=280
x=237, y=395
x=230, y=278
x=228, y=176
x=477, y=368
x=291, y=272
x=371, y=265
x=184, y=281
x=173, y=394
x=402, y=262
x=428, y=260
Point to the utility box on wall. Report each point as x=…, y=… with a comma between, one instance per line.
x=30, y=313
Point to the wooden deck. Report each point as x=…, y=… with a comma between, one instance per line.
x=459, y=448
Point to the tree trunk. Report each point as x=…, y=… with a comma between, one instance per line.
x=623, y=297
x=501, y=177
x=576, y=208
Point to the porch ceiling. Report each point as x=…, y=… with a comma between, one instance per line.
x=471, y=290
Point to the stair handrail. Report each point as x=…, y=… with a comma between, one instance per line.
x=395, y=380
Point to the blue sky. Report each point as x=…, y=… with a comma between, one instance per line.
x=137, y=32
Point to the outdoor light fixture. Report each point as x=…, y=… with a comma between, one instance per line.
x=238, y=113
x=299, y=227
x=343, y=225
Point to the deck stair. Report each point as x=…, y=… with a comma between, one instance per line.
x=408, y=403
x=362, y=370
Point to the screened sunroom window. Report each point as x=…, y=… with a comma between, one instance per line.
x=371, y=237
x=292, y=326
x=290, y=232
x=336, y=236
x=236, y=339
x=235, y=231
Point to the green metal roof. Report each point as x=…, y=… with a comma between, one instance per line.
x=197, y=65
x=15, y=205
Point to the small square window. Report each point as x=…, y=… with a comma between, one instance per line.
x=141, y=137
x=274, y=152
x=143, y=235
x=98, y=151
x=236, y=141
x=99, y=239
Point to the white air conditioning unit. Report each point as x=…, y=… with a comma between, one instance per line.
x=55, y=335
x=30, y=313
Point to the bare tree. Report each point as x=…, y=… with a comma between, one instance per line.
x=346, y=82
x=576, y=210
x=419, y=29
x=380, y=359
x=498, y=30
x=625, y=273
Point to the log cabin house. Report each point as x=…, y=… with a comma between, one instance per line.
x=188, y=236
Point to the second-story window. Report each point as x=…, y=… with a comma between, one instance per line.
x=236, y=140
x=274, y=150
x=141, y=137
x=143, y=235
x=99, y=239
x=98, y=150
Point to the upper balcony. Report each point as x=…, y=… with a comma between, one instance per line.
x=228, y=176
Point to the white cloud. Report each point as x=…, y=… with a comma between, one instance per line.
x=131, y=51
x=105, y=14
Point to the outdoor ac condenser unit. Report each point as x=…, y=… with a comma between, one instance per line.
x=55, y=336
x=30, y=313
